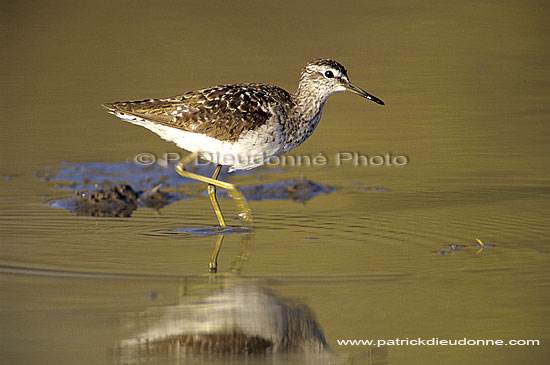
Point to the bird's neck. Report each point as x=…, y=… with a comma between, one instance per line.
x=309, y=102
x=306, y=112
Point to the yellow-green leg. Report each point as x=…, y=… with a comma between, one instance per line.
x=212, y=182
x=214, y=200
x=213, y=263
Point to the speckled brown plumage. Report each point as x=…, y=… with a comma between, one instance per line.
x=223, y=112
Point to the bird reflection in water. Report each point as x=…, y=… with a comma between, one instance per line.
x=237, y=320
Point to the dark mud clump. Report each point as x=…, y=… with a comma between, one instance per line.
x=115, y=201
x=300, y=190
x=155, y=199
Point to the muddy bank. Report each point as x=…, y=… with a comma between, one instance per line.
x=118, y=189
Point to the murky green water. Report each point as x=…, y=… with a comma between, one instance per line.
x=467, y=88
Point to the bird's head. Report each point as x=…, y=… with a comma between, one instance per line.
x=327, y=77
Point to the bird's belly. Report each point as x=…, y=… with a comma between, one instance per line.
x=252, y=149
x=239, y=155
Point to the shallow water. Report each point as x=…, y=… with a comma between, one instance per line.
x=466, y=87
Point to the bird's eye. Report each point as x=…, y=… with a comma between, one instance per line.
x=329, y=74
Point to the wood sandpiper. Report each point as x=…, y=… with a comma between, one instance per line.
x=242, y=125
